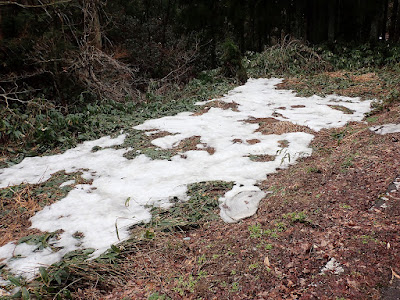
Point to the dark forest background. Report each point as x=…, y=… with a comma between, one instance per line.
x=59, y=55
x=152, y=38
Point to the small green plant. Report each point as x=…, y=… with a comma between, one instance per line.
x=345, y=206
x=296, y=217
x=313, y=169
x=372, y=119
x=183, y=286
x=201, y=259
x=253, y=266
x=157, y=296
x=255, y=231
x=22, y=286
x=268, y=246
x=41, y=241
x=280, y=226
x=339, y=136
x=235, y=287
x=347, y=163
x=366, y=239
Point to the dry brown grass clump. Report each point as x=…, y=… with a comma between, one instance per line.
x=217, y=104
x=274, y=126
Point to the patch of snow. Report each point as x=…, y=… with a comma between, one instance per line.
x=95, y=210
x=334, y=266
x=385, y=129
x=69, y=182
x=240, y=203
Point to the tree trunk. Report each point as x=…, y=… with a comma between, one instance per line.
x=331, y=20
x=384, y=20
x=1, y=31
x=393, y=20
x=397, y=27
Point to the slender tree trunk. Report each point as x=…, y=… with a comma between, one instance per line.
x=397, y=27
x=1, y=31
x=384, y=19
x=331, y=20
x=393, y=20
x=166, y=21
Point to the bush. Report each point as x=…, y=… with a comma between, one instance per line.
x=352, y=56
x=289, y=57
x=232, y=61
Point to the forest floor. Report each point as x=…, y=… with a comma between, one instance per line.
x=338, y=207
x=326, y=207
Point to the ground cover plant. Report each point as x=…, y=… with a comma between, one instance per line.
x=322, y=209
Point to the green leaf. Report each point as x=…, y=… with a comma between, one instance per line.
x=57, y=277
x=44, y=275
x=25, y=294
x=115, y=249
x=15, y=280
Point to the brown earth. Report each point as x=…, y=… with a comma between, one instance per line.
x=322, y=208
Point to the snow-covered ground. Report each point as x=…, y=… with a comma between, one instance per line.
x=94, y=210
x=385, y=129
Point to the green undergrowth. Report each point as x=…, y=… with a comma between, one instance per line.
x=288, y=58
x=201, y=207
x=32, y=131
x=291, y=57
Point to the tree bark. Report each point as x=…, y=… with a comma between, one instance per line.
x=393, y=20
x=384, y=19
x=331, y=20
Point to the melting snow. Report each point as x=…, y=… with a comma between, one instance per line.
x=387, y=128
x=333, y=266
x=95, y=209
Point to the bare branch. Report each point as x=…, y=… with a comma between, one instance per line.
x=33, y=5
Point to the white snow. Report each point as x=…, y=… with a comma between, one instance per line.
x=334, y=266
x=385, y=129
x=69, y=182
x=94, y=210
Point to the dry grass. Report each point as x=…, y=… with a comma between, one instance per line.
x=343, y=83
x=19, y=203
x=217, y=104
x=282, y=127
x=190, y=144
